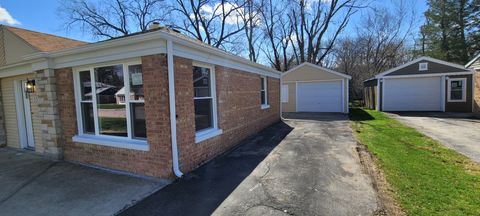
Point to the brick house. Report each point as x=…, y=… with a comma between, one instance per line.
x=188, y=101
x=475, y=65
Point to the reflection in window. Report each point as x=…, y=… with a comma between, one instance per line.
x=137, y=107
x=457, y=89
x=86, y=102
x=111, y=114
x=263, y=90
x=202, y=98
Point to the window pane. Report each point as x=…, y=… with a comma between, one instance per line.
x=201, y=82
x=456, y=95
x=110, y=108
x=203, y=114
x=136, y=82
x=262, y=95
x=87, y=115
x=139, y=129
x=85, y=85
x=262, y=83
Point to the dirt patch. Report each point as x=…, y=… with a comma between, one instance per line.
x=387, y=205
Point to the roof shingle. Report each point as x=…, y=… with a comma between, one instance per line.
x=45, y=42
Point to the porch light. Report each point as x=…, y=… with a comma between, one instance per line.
x=30, y=86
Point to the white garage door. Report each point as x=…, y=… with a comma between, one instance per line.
x=323, y=96
x=413, y=94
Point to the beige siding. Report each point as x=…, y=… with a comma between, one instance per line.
x=290, y=105
x=11, y=124
x=15, y=47
x=307, y=73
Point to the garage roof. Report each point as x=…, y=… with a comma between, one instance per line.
x=307, y=64
x=434, y=66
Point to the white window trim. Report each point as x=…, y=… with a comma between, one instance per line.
x=97, y=138
x=423, y=66
x=265, y=89
x=464, y=89
x=214, y=131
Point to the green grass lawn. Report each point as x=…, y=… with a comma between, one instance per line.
x=428, y=178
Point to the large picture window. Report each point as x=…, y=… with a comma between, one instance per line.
x=204, y=102
x=457, y=89
x=110, y=102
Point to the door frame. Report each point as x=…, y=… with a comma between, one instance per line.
x=24, y=116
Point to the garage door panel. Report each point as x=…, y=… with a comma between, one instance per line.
x=319, y=96
x=412, y=94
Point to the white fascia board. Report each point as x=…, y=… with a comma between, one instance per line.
x=147, y=44
x=428, y=75
x=424, y=58
x=472, y=61
x=317, y=67
x=17, y=70
x=111, y=54
x=210, y=58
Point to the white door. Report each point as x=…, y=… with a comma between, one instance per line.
x=324, y=96
x=24, y=115
x=412, y=94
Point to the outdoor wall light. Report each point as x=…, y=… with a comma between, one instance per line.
x=30, y=86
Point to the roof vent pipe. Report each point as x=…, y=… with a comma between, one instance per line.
x=154, y=25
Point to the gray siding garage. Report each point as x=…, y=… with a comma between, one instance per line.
x=424, y=84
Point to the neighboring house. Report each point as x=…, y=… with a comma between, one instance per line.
x=424, y=84
x=311, y=88
x=475, y=65
x=188, y=101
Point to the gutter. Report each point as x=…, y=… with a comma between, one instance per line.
x=173, y=112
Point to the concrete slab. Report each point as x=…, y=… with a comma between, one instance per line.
x=458, y=131
x=33, y=185
x=305, y=166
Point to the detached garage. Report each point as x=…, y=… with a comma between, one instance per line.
x=311, y=88
x=425, y=84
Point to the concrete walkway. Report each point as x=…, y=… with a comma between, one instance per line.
x=32, y=185
x=457, y=131
x=314, y=170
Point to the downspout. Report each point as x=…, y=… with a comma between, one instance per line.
x=173, y=112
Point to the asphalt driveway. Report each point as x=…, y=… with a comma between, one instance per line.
x=457, y=131
x=307, y=165
x=33, y=185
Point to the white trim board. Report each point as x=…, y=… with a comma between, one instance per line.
x=424, y=58
x=317, y=67
x=472, y=61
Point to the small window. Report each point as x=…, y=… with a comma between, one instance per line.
x=263, y=91
x=203, y=100
x=284, y=93
x=423, y=66
x=457, y=90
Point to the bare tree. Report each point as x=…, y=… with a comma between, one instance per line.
x=211, y=21
x=278, y=33
x=250, y=15
x=112, y=18
x=380, y=43
x=317, y=25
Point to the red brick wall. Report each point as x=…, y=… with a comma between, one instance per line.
x=239, y=116
x=239, y=112
x=157, y=161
